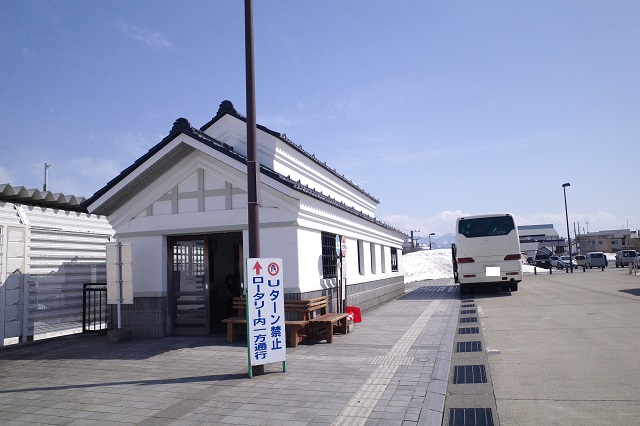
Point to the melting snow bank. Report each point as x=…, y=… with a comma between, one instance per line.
x=427, y=265
x=437, y=264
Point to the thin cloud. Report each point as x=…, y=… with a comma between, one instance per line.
x=152, y=39
x=6, y=176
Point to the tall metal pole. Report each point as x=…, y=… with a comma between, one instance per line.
x=47, y=166
x=253, y=168
x=564, y=190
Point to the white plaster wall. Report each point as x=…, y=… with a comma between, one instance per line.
x=231, y=131
x=310, y=255
x=148, y=266
x=280, y=242
x=188, y=206
x=318, y=216
x=189, y=184
x=288, y=161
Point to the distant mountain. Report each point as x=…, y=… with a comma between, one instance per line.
x=437, y=241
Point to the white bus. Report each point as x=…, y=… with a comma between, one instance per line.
x=487, y=251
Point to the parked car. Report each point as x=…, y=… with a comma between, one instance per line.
x=563, y=262
x=625, y=257
x=543, y=261
x=596, y=259
x=554, y=261
x=580, y=259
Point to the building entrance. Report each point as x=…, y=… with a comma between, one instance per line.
x=206, y=273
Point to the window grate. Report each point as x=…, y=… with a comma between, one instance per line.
x=470, y=305
x=469, y=374
x=469, y=330
x=467, y=311
x=394, y=259
x=475, y=346
x=468, y=319
x=470, y=417
x=329, y=263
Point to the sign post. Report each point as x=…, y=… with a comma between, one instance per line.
x=343, y=271
x=119, y=276
x=264, y=293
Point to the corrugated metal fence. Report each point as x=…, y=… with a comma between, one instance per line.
x=63, y=251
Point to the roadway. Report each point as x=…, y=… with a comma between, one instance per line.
x=563, y=350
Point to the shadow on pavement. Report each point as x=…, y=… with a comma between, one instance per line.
x=633, y=291
x=487, y=292
x=426, y=290
x=181, y=380
x=83, y=346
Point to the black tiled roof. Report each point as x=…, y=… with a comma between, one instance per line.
x=182, y=126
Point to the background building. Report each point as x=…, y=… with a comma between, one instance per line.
x=608, y=241
x=534, y=238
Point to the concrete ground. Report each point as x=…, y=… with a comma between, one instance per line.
x=565, y=349
x=393, y=369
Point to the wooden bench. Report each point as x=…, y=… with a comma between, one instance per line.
x=305, y=318
x=239, y=305
x=238, y=324
x=323, y=326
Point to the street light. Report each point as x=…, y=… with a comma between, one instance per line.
x=564, y=190
x=433, y=233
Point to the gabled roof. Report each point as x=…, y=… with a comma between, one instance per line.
x=35, y=197
x=182, y=126
x=226, y=107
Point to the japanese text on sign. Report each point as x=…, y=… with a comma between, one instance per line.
x=265, y=300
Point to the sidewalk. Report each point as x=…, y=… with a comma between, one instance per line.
x=392, y=369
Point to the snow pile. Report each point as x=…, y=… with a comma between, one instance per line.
x=427, y=265
x=528, y=270
x=437, y=264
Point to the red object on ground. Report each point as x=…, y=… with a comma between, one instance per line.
x=355, y=312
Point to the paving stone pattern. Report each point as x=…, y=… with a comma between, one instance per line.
x=392, y=369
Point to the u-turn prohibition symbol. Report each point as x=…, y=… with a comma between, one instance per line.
x=273, y=269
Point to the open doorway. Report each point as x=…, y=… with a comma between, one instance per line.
x=206, y=273
x=226, y=276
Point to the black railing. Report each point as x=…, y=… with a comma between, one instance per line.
x=95, y=310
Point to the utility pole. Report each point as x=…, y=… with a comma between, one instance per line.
x=253, y=168
x=47, y=166
x=413, y=246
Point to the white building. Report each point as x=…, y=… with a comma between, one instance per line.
x=544, y=237
x=49, y=248
x=183, y=207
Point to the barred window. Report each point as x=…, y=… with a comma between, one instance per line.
x=394, y=259
x=328, y=255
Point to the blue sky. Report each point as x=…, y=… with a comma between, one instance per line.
x=437, y=108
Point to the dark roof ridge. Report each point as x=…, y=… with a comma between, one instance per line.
x=36, y=197
x=226, y=107
x=181, y=125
